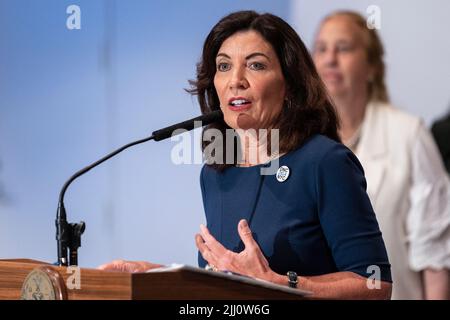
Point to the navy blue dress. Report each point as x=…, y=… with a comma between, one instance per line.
x=320, y=220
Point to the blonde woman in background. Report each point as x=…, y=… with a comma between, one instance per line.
x=407, y=183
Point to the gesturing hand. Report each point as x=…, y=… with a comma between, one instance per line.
x=128, y=266
x=250, y=261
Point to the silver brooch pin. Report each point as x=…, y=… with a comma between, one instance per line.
x=283, y=173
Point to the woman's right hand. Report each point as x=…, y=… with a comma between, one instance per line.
x=129, y=266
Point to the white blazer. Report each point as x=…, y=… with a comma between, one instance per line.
x=410, y=192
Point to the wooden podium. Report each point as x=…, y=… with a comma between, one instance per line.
x=177, y=284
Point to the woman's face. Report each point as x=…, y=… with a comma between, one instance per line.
x=249, y=81
x=340, y=57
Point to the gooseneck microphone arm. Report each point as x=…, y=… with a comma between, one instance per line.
x=68, y=235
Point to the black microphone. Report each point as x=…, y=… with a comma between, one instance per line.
x=68, y=235
x=187, y=125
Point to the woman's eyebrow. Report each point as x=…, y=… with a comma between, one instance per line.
x=256, y=54
x=223, y=55
x=344, y=41
x=252, y=55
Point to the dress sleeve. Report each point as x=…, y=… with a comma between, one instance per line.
x=428, y=220
x=347, y=217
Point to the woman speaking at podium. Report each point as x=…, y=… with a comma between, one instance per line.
x=310, y=224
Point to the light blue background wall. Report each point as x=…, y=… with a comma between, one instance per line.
x=69, y=97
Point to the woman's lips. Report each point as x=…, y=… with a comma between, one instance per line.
x=332, y=76
x=241, y=107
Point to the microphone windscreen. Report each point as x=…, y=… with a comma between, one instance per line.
x=187, y=125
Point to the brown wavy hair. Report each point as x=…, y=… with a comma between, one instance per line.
x=307, y=109
x=374, y=50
